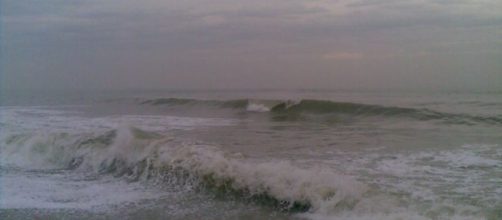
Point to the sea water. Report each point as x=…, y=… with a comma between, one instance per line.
x=273, y=154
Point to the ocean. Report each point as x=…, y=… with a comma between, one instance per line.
x=269, y=154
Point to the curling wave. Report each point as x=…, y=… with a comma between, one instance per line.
x=290, y=109
x=136, y=155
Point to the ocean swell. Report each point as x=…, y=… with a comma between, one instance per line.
x=139, y=155
x=295, y=109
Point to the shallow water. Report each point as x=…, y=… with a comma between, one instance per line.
x=252, y=155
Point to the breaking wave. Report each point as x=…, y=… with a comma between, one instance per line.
x=139, y=155
x=290, y=109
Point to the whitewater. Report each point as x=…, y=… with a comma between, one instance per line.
x=251, y=155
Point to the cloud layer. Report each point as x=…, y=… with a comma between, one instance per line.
x=251, y=44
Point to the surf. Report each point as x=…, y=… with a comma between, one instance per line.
x=138, y=155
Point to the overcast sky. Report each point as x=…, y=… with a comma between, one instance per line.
x=231, y=44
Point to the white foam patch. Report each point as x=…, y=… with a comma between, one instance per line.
x=35, y=118
x=322, y=188
x=467, y=159
x=467, y=173
x=389, y=216
x=255, y=107
x=65, y=190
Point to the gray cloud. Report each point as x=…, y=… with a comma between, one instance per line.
x=252, y=44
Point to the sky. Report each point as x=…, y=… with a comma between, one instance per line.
x=258, y=44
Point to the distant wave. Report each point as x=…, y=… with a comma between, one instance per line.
x=139, y=155
x=287, y=109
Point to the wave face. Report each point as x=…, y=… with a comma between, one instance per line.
x=290, y=109
x=135, y=154
x=141, y=156
x=272, y=158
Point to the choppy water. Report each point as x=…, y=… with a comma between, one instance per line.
x=251, y=155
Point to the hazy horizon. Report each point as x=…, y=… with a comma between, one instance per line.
x=222, y=45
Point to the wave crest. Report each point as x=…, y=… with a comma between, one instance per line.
x=139, y=155
x=291, y=109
